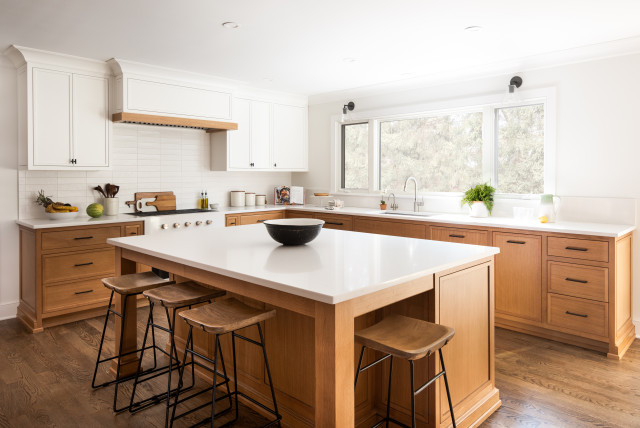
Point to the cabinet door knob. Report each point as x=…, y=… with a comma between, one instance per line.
x=275, y=164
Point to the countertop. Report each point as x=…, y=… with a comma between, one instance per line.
x=594, y=229
x=335, y=267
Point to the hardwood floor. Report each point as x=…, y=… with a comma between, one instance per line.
x=45, y=381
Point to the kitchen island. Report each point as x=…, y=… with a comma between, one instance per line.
x=322, y=292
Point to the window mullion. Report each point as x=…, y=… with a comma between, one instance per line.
x=374, y=156
x=488, y=146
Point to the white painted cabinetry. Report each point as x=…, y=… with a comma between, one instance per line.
x=63, y=111
x=270, y=137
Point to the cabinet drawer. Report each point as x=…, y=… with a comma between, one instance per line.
x=464, y=236
x=298, y=214
x=74, y=294
x=231, y=221
x=584, y=317
x=68, y=239
x=74, y=266
x=132, y=230
x=578, y=249
x=260, y=217
x=341, y=222
x=589, y=282
x=393, y=228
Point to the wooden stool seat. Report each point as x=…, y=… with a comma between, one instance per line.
x=404, y=337
x=182, y=294
x=134, y=283
x=225, y=315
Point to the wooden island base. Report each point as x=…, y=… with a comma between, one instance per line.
x=307, y=342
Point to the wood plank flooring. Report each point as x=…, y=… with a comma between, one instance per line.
x=45, y=381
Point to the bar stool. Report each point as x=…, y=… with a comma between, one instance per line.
x=219, y=318
x=125, y=286
x=410, y=339
x=172, y=297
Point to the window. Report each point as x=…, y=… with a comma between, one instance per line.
x=520, y=149
x=444, y=152
x=449, y=150
x=355, y=156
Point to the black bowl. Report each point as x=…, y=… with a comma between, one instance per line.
x=294, y=231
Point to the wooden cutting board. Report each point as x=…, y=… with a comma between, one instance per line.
x=163, y=203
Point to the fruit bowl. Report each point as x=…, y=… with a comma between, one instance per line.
x=62, y=216
x=294, y=231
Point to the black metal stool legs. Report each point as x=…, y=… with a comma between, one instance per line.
x=414, y=392
x=446, y=385
x=223, y=375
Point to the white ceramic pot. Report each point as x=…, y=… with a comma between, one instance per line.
x=249, y=199
x=479, y=209
x=261, y=200
x=237, y=198
x=110, y=206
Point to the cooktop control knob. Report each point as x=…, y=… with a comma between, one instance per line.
x=198, y=223
x=209, y=221
x=176, y=225
x=165, y=226
x=187, y=223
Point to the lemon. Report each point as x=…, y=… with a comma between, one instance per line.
x=543, y=219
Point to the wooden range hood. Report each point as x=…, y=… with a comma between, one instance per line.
x=147, y=119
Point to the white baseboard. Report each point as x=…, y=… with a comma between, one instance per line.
x=8, y=310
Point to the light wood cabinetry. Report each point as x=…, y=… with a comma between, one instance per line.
x=390, y=227
x=331, y=221
x=61, y=271
x=63, y=111
x=519, y=275
x=571, y=288
x=270, y=137
x=252, y=217
x=463, y=236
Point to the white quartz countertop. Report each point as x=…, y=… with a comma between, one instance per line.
x=595, y=229
x=81, y=220
x=580, y=228
x=335, y=267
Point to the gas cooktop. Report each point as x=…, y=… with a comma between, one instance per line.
x=169, y=212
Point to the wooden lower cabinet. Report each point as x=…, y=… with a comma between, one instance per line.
x=519, y=275
x=252, y=217
x=61, y=270
x=539, y=276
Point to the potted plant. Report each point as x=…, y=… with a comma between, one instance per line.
x=480, y=200
x=383, y=203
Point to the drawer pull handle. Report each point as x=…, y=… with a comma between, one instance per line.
x=576, y=315
x=261, y=221
x=581, y=281
x=83, y=264
x=576, y=249
x=516, y=242
x=84, y=292
x=334, y=222
x=83, y=237
x=456, y=236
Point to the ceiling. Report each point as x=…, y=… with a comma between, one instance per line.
x=316, y=46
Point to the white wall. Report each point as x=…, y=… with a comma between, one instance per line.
x=598, y=143
x=145, y=159
x=8, y=190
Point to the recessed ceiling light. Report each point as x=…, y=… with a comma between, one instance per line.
x=349, y=59
x=230, y=24
x=473, y=29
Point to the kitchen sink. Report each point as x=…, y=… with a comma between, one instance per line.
x=408, y=213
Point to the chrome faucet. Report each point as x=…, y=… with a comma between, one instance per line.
x=394, y=206
x=416, y=204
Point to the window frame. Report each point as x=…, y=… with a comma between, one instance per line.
x=486, y=104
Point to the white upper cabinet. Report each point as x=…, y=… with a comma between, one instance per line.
x=63, y=111
x=51, y=125
x=289, y=137
x=270, y=137
x=90, y=129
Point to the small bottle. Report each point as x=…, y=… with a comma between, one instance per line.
x=205, y=205
x=201, y=200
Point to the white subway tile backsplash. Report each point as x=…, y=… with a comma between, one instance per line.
x=147, y=159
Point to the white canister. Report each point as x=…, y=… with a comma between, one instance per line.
x=249, y=199
x=237, y=198
x=110, y=206
x=261, y=200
